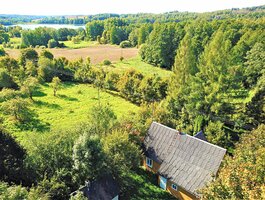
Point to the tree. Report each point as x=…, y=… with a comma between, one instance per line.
x=52, y=43
x=56, y=84
x=29, y=86
x=46, y=70
x=101, y=119
x=89, y=158
x=12, y=156
x=28, y=54
x=160, y=48
x=123, y=154
x=2, y=52
x=254, y=66
x=10, y=64
x=18, y=109
x=94, y=29
x=47, y=54
x=6, y=81
x=242, y=176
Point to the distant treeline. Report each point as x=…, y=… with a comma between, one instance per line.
x=175, y=16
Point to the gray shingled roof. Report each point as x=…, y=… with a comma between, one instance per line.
x=186, y=160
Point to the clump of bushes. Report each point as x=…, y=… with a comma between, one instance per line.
x=125, y=44
x=107, y=62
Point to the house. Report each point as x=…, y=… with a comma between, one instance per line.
x=104, y=188
x=184, y=164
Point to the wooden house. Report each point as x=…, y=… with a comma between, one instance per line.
x=184, y=164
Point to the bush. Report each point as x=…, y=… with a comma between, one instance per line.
x=2, y=52
x=125, y=44
x=47, y=54
x=6, y=81
x=107, y=62
x=52, y=43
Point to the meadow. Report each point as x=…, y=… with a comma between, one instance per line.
x=70, y=107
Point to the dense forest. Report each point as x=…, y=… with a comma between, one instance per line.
x=217, y=85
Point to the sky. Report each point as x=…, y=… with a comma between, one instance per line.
x=86, y=7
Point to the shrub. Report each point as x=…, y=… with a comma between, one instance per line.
x=52, y=43
x=107, y=62
x=125, y=44
x=2, y=52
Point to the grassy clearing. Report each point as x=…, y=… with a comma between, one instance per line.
x=69, y=108
x=82, y=44
x=72, y=104
x=139, y=65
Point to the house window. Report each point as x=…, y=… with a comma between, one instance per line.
x=174, y=187
x=149, y=162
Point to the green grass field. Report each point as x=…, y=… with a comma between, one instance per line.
x=69, y=108
x=82, y=44
x=139, y=65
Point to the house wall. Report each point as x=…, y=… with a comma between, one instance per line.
x=154, y=168
x=180, y=193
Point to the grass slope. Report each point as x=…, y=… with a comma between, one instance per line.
x=69, y=108
x=139, y=65
x=73, y=103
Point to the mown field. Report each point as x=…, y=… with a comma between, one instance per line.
x=97, y=53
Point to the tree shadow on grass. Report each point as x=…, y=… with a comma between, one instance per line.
x=67, y=98
x=33, y=123
x=39, y=94
x=48, y=105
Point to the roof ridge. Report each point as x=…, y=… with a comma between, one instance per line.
x=190, y=136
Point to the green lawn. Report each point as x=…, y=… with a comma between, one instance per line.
x=138, y=64
x=82, y=44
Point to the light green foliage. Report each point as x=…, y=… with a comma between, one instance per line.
x=78, y=196
x=162, y=44
x=10, y=64
x=29, y=86
x=125, y=44
x=101, y=119
x=31, y=69
x=242, y=177
x=123, y=154
x=76, y=39
x=52, y=43
x=18, y=109
x=129, y=84
x=255, y=66
x=89, y=158
x=94, y=29
x=84, y=71
x=18, y=192
x=46, y=70
x=56, y=84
